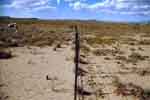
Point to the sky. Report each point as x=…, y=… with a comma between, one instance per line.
x=104, y=10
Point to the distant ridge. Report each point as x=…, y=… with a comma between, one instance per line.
x=8, y=18
x=5, y=17
x=14, y=18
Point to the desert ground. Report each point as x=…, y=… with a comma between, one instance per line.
x=37, y=60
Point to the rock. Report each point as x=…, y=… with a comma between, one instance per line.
x=57, y=46
x=48, y=77
x=5, y=54
x=59, y=86
x=83, y=55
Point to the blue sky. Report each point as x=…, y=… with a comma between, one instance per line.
x=108, y=10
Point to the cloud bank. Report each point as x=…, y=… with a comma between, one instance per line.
x=137, y=7
x=124, y=7
x=30, y=5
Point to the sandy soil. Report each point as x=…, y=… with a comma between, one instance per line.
x=36, y=73
x=24, y=76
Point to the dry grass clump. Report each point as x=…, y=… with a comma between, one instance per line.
x=47, y=38
x=45, y=32
x=100, y=94
x=121, y=57
x=145, y=95
x=135, y=57
x=95, y=89
x=85, y=48
x=38, y=34
x=41, y=40
x=144, y=72
x=101, y=40
x=129, y=40
x=106, y=52
x=129, y=90
x=145, y=35
x=132, y=90
x=144, y=42
x=99, y=52
x=3, y=96
x=84, y=92
x=10, y=38
x=9, y=42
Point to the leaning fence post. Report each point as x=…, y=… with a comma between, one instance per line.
x=77, y=53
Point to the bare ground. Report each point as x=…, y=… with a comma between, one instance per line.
x=116, y=62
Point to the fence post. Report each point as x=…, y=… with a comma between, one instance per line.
x=77, y=55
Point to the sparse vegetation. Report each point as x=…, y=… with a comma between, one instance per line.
x=106, y=52
x=100, y=41
x=44, y=32
x=85, y=48
x=135, y=57
x=133, y=90
x=124, y=46
x=144, y=42
x=129, y=89
x=121, y=57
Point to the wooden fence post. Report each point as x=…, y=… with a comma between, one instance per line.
x=77, y=55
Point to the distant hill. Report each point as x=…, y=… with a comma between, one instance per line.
x=8, y=18
x=147, y=22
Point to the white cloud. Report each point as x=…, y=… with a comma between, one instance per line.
x=58, y=1
x=42, y=8
x=141, y=7
x=75, y=0
x=69, y=0
x=78, y=5
x=30, y=5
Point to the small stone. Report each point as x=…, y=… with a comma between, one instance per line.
x=48, y=77
x=5, y=54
